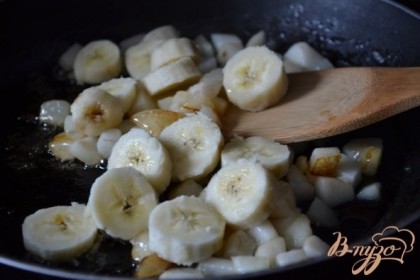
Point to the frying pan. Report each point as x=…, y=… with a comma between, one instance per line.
x=35, y=34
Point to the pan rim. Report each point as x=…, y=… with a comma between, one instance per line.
x=403, y=8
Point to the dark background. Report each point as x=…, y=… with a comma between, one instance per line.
x=412, y=4
x=338, y=268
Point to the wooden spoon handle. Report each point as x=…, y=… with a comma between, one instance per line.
x=390, y=92
x=326, y=103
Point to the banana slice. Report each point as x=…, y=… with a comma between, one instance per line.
x=60, y=145
x=59, y=233
x=258, y=39
x=208, y=60
x=210, y=83
x=66, y=60
x=271, y=248
x=142, y=101
x=98, y=61
x=163, y=32
x=130, y=41
x=188, y=188
x=272, y=155
x=140, y=246
x=124, y=89
x=254, y=78
x=187, y=102
x=172, y=50
x=202, y=94
x=302, y=188
x=282, y=199
x=220, y=105
x=95, y=111
x=145, y=153
x=205, y=48
x=238, y=243
x=322, y=215
x=194, y=143
x=301, y=57
x=54, y=112
x=106, y=141
x=240, y=191
x=125, y=126
x=69, y=124
x=333, y=191
x=173, y=76
x=185, y=230
x=120, y=201
x=165, y=102
x=226, y=46
x=211, y=113
x=137, y=58
x=155, y=120
x=315, y=247
x=294, y=230
x=152, y=266
x=85, y=150
x=206, y=64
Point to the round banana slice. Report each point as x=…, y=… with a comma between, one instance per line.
x=59, y=233
x=137, y=58
x=240, y=191
x=271, y=154
x=95, y=111
x=121, y=200
x=98, y=61
x=140, y=150
x=122, y=88
x=173, y=76
x=194, y=143
x=255, y=79
x=185, y=230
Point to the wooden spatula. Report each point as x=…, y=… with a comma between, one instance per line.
x=330, y=102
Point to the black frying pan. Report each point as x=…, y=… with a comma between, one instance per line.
x=34, y=35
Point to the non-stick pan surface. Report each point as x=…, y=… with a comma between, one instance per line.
x=35, y=33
